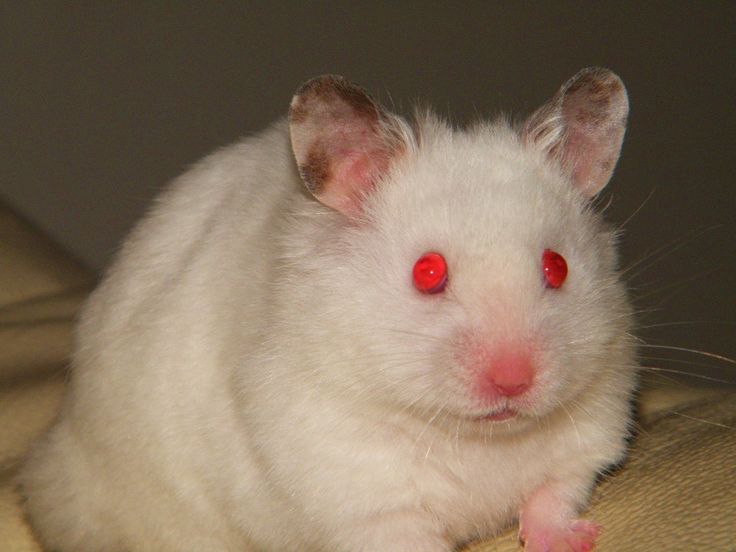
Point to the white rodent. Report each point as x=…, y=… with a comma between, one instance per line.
x=262, y=367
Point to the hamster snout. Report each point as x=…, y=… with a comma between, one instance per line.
x=508, y=373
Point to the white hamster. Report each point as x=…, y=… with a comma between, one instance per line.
x=355, y=333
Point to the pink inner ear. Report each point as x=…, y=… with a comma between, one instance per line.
x=340, y=143
x=354, y=174
x=595, y=119
x=591, y=163
x=583, y=127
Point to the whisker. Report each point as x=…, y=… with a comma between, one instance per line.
x=670, y=379
x=574, y=425
x=457, y=438
x=680, y=361
x=665, y=250
x=693, y=351
x=683, y=373
x=580, y=407
x=431, y=444
x=411, y=404
x=709, y=422
x=428, y=337
x=685, y=323
x=632, y=215
x=676, y=285
x=429, y=423
x=636, y=427
x=604, y=208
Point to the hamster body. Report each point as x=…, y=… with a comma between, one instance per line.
x=260, y=369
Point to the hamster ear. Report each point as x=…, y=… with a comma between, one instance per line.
x=583, y=127
x=343, y=141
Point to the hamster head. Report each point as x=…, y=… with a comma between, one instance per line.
x=466, y=272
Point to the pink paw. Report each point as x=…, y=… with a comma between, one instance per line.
x=578, y=536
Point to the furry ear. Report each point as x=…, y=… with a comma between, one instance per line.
x=583, y=127
x=343, y=141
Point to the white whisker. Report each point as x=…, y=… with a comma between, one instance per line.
x=709, y=422
x=574, y=425
x=636, y=211
x=687, y=350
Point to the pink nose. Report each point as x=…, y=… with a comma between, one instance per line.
x=510, y=374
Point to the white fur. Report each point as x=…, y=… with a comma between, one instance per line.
x=256, y=372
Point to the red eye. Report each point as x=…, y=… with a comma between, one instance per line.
x=554, y=267
x=430, y=273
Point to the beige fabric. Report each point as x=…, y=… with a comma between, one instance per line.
x=677, y=492
x=40, y=293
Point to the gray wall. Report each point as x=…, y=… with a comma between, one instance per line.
x=102, y=104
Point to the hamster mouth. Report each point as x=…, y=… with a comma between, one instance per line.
x=501, y=416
